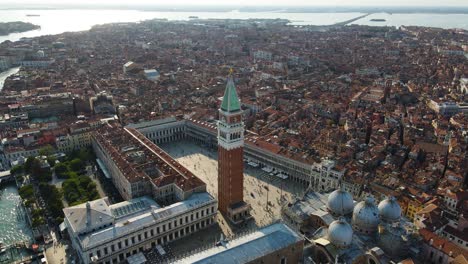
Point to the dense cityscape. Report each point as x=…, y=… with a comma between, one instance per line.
x=239, y=141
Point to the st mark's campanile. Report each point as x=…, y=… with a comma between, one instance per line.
x=230, y=157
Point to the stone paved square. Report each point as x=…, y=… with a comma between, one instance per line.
x=259, y=186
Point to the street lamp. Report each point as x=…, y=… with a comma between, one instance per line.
x=281, y=191
x=268, y=190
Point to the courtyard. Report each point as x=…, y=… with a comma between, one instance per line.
x=264, y=192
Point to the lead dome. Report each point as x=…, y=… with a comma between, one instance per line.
x=366, y=216
x=340, y=233
x=389, y=210
x=340, y=202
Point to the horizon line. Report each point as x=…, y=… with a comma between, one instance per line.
x=229, y=5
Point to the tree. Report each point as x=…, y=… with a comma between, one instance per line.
x=71, y=190
x=71, y=174
x=93, y=195
x=32, y=166
x=84, y=181
x=17, y=169
x=29, y=203
x=29, y=164
x=36, y=222
x=37, y=213
x=76, y=164
x=44, y=175
x=51, y=160
x=26, y=192
x=46, y=150
x=19, y=178
x=53, y=199
x=91, y=186
x=79, y=189
x=61, y=170
x=86, y=154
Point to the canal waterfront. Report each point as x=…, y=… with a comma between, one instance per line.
x=13, y=224
x=5, y=74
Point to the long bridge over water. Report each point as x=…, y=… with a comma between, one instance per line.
x=340, y=24
x=344, y=23
x=5, y=176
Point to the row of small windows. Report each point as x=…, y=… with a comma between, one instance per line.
x=459, y=241
x=154, y=231
x=165, y=132
x=276, y=160
x=222, y=134
x=298, y=172
x=25, y=154
x=235, y=136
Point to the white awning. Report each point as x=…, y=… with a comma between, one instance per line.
x=62, y=227
x=282, y=176
x=161, y=250
x=103, y=168
x=136, y=259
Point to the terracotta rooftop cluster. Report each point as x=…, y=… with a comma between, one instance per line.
x=139, y=159
x=388, y=105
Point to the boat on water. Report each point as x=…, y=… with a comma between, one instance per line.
x=32, y=15
x=2, y=248
x=378, y=20
x=193, y=17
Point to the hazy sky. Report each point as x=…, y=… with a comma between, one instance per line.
x=250, y=2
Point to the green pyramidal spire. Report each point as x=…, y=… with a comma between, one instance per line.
x=230, y=102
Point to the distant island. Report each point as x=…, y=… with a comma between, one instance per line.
x=16, y=27
x=378, y=20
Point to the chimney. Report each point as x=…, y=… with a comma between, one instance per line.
x=88, y=213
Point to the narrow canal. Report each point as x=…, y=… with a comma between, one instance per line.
x=13, y=225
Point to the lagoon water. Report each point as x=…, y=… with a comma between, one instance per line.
x=59, y=21
x=427, y=20
x=13, y=228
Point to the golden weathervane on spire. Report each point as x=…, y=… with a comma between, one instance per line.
x=231, y=70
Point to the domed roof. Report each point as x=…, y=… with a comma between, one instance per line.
x=366, y=216
x=340, y=233
x=390, y=210
x=340, y=202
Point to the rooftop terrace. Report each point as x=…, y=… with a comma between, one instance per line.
x=140, y=159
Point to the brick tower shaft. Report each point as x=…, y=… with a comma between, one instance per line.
x=230, y=157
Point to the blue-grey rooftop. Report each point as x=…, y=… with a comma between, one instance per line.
x=313, y=203
x=249, y=247
x=152, y=123
x=126, y=208
x=139, y=213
